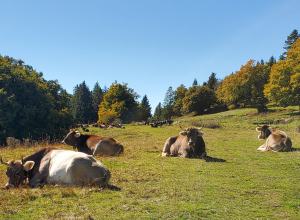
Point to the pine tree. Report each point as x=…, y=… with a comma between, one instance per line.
x=97, y=99
x=158, y=112
x=82, y=104
x=145, y=109
x=195, y=82
x=167, y=112
x=288, y=43
x=212, y=81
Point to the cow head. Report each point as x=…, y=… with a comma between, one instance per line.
x=71, y=137
x=192, y=134
x=265, y=131
x=16, y=171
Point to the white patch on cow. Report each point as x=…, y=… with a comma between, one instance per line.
x=200, y=133
x=60, y=162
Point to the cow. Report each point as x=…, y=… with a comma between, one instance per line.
x=276, y=140
x=93, y=144
x=52, y=165
x=188, y=145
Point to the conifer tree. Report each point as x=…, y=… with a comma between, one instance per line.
x=158, y=112
x=97, y=99
x=145, y=109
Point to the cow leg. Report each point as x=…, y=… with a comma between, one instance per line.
x=84, y=171
x=166, y=150
x=41, y=175
x=102, y=147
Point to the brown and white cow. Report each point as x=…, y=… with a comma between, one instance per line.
x=93, y=144
x=189, y=144
x=277, y=140
x=51, y=165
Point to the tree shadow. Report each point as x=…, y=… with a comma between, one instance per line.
x=214, y=159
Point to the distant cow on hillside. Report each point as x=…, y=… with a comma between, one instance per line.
x=276, y=140
x=189, y=144
x=93, y=144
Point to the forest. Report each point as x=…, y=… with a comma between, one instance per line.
x=34, y=108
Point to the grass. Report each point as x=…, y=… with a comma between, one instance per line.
x=239, y=183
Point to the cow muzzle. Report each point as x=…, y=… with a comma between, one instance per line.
x=191, y=143
x=8, y=185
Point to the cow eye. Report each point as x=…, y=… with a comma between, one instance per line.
x=17, y=173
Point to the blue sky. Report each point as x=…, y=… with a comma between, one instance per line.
x=150, y=45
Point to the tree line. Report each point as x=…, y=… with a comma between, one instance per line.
x=32, y=107
x=257, y=84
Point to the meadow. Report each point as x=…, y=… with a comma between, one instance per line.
x=235, y=181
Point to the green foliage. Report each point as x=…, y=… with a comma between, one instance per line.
x=283, y=87
x=197, y=99
x=82, y=101
x=179, y=94
x=212, y=81
x=158, y=112
x=245, y=87
x=30, y=106
x=121, y=100
x=167, y=111
x=97, y=99
x=144, y=109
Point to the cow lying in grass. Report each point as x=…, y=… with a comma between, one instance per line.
x=93, y=144
x=276, y=140
x=189, y=144
x=51, y=165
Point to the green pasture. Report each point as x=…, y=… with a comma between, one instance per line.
x=233, y=182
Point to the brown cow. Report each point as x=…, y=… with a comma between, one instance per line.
x=51, y=165
x=93, y=144
x=189, y=144
x=276, y=140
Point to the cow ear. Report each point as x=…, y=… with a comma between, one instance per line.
x=258, y=129
x=200, y=133
x=77, y=134
x=28, y=165
x=183, y=133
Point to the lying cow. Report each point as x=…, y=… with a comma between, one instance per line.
x=93, y=144
x=189, y=144
x=276, y=140
x=51, y=165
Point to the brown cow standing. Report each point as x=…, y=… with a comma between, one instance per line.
x=189, y=144
x=93, y=144
x=276, y=140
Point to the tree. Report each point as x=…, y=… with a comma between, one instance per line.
x=119, y=101
x=167, y=111
x=288, y=43
x=283, y=87
x=145, y=109
x=97, y=99
x=179, y=94
x=271, y=62
x=212, y=81
x=245, y=87
x=82, y=103
x=158, y=112
x=30, y=106
x=197, y=99
x=195, y=82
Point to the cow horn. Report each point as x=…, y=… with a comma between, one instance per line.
x=183, y=128
x=200, y=128
x=3, y=162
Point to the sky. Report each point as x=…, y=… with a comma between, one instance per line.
x=150, y=45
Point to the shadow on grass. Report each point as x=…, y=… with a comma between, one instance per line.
x=113, y=188
x=213, y=159
x=295, y=149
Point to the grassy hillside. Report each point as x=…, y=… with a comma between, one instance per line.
x=234, y=182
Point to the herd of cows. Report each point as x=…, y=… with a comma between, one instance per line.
x=52, y=165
